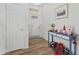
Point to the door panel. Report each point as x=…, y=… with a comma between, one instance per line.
x=34, y=23
x=2, y=28
x=16, y=29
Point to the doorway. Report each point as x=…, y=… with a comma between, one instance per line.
x=34, y=21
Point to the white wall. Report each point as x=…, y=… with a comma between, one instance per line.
x=49, y=17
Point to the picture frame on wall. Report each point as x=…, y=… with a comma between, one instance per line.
x=62, y=11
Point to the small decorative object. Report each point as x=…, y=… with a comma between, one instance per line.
x=66, y=51
x=53, y=27
x=57, y=53
x=59, y=48
x=62, y=11
x=56, y=30
x=72, y=34
x=64, y=30
x=71, y=30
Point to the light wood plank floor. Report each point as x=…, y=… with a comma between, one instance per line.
x=36, y=47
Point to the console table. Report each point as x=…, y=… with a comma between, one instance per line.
x=70, y=39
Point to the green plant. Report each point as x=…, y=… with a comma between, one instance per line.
x=52, y=25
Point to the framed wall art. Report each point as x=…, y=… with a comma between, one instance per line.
x=62, y=11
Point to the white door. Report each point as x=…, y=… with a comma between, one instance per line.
x=34, y=21
x=2, y=28
x=16, y=29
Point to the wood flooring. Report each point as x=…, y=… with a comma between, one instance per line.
x=36, y=47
